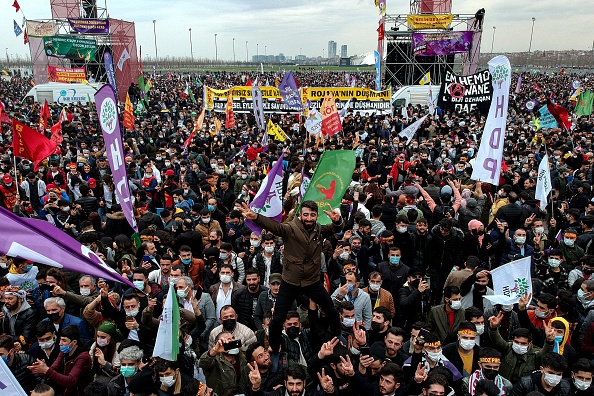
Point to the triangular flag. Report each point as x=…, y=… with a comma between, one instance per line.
x=167, y=342
x=426, y=79
x=17, y=29
x=16, y=5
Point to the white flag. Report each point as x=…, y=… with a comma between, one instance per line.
x=430, y=103
x=511, y=281
x=543, y=183
x=167, y=342
x=123, y=58
x=490, y=154
x=404, y=113
x=410, y=130
x=10, y=385
x=313, y=124
x=343, y=111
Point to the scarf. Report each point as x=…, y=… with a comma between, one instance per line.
x=477, y=376
x=559, y=347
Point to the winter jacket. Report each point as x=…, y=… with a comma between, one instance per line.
x=219, y=372
x=412, y=306
x=21, y=323
x=116, y=224
x=445, y=252
x=244, y=302
x=450, y=351
x=510, y=250
x=195, y=271
x=71, y=373
x=276, y=266
x=23, y=375
x=511, y=213
x=532, y=383
x=393, y=276
x=384, y=299
x=438, y=321
x=148, y=219
x=302, y=257
x=473, y=210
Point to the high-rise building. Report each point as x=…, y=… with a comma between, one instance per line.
x=343, y=51
x=332, y=49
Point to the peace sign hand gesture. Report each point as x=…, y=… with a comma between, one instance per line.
x=549, y=332
x=334, y=215
x=327, y=348
x=421, y=373
x=494, y=321
x=326, y=382
x=247, y=212
x=254, y=376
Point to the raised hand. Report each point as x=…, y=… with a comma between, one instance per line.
x=254, y=375
x=326, y=382
x=549, y=332
x=524, y=301
x=247, y=212
x=347, y=366
x=327, y=348
x=360, y=333
x=334, y=215
x=152, y=303
x=421, y=373
x=494, y=321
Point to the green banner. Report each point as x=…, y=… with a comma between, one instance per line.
x=330, y=181
x=70, y=47
x=584, y=104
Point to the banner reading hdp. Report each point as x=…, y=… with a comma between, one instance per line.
x=511, y=281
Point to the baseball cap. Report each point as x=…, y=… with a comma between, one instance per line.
x=92, y=183
x=275, y=278
x=169, y=172
x=7, y=178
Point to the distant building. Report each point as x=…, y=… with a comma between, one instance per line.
x=332, y=49
x=343, y=51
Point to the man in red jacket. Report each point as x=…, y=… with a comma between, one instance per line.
x=252, y=152
x=72, y=369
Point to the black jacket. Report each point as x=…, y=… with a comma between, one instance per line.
x=244, y=304
x=532, y=383
x=511, y=213
x=450, y=351
x=413, y=306
x=23, y=322
x=116, y=224
x=276, y=265
x=23, y=375
x=445, y=252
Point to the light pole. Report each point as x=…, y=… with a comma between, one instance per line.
x=233, y=49
x=246, y=52
x=155, y=34
x=531, y=33
x=493, y=41
x=216, y=50
x=191, y=47
x=7, y=58
x=257, y=52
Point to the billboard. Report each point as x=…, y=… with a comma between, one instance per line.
x=66, y=74
x=433, y=44
x=70, y=47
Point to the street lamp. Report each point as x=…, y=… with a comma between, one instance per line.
x=233, y=49
x=216, y=50
x=155, y=34
x=191, y=47
x=531, y=33
x=257, y=52
x=7, y=58
x=246, y=52
x=493, y=41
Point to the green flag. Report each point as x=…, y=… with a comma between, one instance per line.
x=584, y=103
x=167, y=342
x=330, y=181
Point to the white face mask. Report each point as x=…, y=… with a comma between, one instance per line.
x=467, y=345
x=234, y=351
x=344, y=255
x=132, y=313
x=541, y=314
x=507, y=308
x=480, y=329
x=520, y=349
x=539, y=230
x=3, y=265
x=269, y=249
x=374, y=288
x=225, y=279
x=48, y=344
x=85, y=291
x=434, y=356
x=102, y=342
x=455, y=305
x=168, y=381
x=552, y=379
x=581, y=385
x=254, y=243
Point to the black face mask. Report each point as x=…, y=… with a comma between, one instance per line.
x=53, y=316
x=229, y=324
x=490, y=374
x=587, y=271
x=293, y=332
x=375, y=326
x=415, y=284
x=480, y=288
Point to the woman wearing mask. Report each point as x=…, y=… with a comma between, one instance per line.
x=106, y=360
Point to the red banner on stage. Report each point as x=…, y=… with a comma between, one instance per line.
x=66, y=74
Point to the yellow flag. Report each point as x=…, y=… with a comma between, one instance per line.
x=276, y=131
x=200, y=121
x=128, y=114
x=218, y=126
x=426, y=79
x=4, y=72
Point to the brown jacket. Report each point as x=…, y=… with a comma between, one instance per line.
x=302, y=257
x=196, y=271
x=205, y=229
x=214, y=291
x=385, y=299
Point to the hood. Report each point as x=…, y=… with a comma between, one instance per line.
x=24, y=306
x=116, y=216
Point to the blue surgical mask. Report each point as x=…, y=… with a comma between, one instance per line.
x=5, y=358
x=559, y=339
x=139, y=285
x=28, y=268
x=186, y=261
x=65, y=349
x=211, y=208
x=223, y=256
x=351, y=288
x=394, y=260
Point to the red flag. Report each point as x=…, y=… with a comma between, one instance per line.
x=380, y=32
x=561, y=115
x=249, y=83
x=536, y=87
x=30, y=144
x=230, y=117
x=57, y=133
x=330, y=119
x=44, y=114
x=16, y=5
x=128, y=114
x=25, y=38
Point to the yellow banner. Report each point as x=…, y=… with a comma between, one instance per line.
x=276, y=131
x=429, y=21
x=239, y=92
x=344, y=94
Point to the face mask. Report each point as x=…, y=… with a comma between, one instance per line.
x=243, y=176
x=581, y=385
x=168, y=382
x=225, y=279
x=132, y=313
x=519, y=349
x=507, y=308
x=139, y=285
x=85, y=291
x=520, y=240
x=539, y=230
x=223, y=256
x=189, y=342
x=455, y=305
x=568, y=242
x=254, y=243
x=102, y=342
x=53, y=316
x=3, y=265
x=490, y=374
x=65, y=208
x=128, y=372
x=5, y=358
x=344, y=255
x=480, y=329
x=206, y=221
x=401, y=230
x=65, y=349
x=467, y=345
x=375, y=326
x=48, y=344
x=394, y=260
x=348, y=322
x=234, y=351
x=293, y=332
x=182, y=293
x=351, y=288
x=211, y=208
x=374, y=288
x=270, y=249
x=229, y=324
x=559, y=339
x=554, y=263
x=186, y=261
x=541, y=314
x=552, y=379
x=434, y=356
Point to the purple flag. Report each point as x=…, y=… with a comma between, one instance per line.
x=289, y=92
x=110, y=71
x=519, y=84
x=107, y=109
x=41, y=242
x=269, y=199
x=264, y=142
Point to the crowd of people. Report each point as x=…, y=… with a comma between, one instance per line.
x=387, y=299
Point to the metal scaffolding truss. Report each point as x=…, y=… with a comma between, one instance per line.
x=402, y=67
x=62, y=9
x=430, y=6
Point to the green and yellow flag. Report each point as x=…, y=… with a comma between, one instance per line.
x=330, y=181
x=584, y=103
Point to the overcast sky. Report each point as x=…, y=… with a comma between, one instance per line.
x=287, y=26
